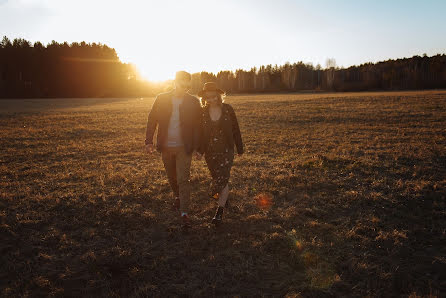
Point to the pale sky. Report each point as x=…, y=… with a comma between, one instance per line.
x=161, y=37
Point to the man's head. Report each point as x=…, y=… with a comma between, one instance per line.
x=182, y=81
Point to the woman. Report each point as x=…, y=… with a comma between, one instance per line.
x=220, y=133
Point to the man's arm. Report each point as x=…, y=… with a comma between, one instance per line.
x=152, y=121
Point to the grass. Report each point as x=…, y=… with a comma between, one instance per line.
x=337, y=195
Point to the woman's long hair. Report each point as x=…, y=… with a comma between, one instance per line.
x=220, y=99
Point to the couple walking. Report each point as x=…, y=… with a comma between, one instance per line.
x=184, y=127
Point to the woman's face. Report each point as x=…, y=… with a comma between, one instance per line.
x=211, y=97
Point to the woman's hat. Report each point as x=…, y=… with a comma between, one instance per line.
x=210, y=86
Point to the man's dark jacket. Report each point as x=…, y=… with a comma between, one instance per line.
x=190, y=121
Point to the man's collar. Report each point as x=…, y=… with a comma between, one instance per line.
x=172, y=93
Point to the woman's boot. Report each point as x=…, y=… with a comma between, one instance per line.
x=218, y=216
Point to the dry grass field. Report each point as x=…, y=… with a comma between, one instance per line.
x=337, y=195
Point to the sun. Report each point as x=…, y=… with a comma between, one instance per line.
x=154, y=66
x=154, y=72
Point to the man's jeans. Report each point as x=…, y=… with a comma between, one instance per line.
x=177, y=165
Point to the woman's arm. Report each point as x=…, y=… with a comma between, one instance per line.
x=203, y=140
x=198, y=130
x=236, y=131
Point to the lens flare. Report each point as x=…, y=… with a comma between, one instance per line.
x=263, y=201
x=299, y=245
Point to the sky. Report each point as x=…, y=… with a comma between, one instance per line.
x=163, y=36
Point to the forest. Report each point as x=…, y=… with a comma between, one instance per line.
x=94, y=70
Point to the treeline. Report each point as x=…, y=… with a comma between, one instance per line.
x=401, y=74
x=94, y=70
x=65, y=70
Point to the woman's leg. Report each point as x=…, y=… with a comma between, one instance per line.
x=222, y=199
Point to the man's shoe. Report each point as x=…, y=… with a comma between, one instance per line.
x=218, y=216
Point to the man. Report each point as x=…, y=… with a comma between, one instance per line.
x=177, y=115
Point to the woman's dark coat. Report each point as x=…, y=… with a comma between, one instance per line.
x=229, y=125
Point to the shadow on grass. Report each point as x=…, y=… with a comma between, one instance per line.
x=388, y=240
x=129, y=245
x=326, y=237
